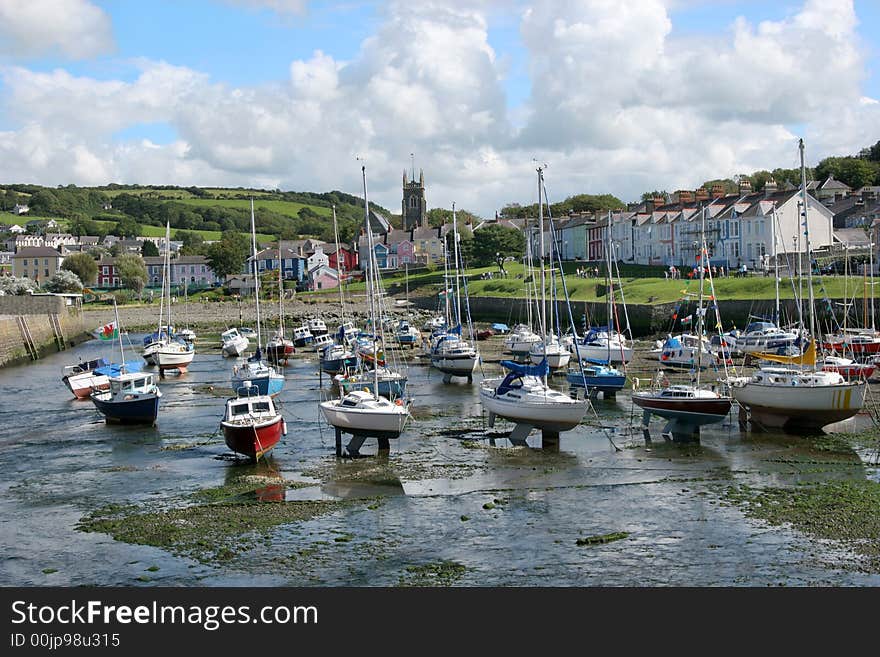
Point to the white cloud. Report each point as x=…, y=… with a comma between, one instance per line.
x=618, y=105
x=278, y=6
x=76, y=28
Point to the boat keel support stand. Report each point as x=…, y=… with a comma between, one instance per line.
x=352, y=449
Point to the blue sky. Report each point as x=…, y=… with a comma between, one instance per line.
x=475, y=87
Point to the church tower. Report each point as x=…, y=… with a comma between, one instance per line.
x=414, y=206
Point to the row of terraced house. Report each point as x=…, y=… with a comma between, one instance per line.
x=747, y=228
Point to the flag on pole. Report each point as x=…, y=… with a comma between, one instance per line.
x=443, y=293
x=109, y=332
x=687, y=320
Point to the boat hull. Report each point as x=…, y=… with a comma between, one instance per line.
x=363, y=422
x=549, y=417
x=600, y=352
x=280, y=351
x=174, y=361
x=800, y=409
x=462, y=365
x=694, y=412
x=266, y=385
x=336, y=365
x=144, y=409
x=236, y=348
x=603, y=383
x=83, y=385
x=253, y=441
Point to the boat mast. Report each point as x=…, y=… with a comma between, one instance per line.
x=256, y=276
x=541, y=260
x=701, y=263
x=119, y=335
x=162, y=293
x=370, y=290
x=446, y=284
x=807, y=241
x=281, y=296
x=608, y=247
x=339, y=271
x=871, y=269
x=455, y=256
x=168, y=274
x=775, y=266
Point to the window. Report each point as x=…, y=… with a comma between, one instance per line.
x=104, y=270
x=46, y=262
x=46, y=270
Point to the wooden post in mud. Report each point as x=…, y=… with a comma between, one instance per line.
x=338, y=442
x=384, y=445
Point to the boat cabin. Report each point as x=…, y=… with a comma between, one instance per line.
x=250, y=407
x=136, y=383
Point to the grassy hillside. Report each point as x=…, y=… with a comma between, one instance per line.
x=159, y=231
x=288, y=208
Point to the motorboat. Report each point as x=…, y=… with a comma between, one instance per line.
x=175, y=355
x=252, y=424
x=132, y=398
x=763, y=336
x=317, y=327
x=233, y=343
x=521, y=339
x=302, y=336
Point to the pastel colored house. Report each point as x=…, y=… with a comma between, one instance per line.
x=323, y=278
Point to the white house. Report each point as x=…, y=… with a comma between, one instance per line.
x=317, y=259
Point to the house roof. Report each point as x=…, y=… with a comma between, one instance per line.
x=831, y=183
x=851, y=236
x=37, y=252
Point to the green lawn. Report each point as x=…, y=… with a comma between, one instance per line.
x=288, y=208
x=636, y=290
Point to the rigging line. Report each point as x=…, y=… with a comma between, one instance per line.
x=570, y=316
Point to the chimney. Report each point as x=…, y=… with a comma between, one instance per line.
x=683, y=196
x=770, y=187
x=701, y=194
x=718, y=190
x=658, y=201
x=745, y=187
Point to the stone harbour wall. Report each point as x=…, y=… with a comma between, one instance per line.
x=36, y=315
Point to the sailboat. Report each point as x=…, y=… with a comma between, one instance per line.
x=280, y=347
x=798, y=398
x=174, y=353
x=595, y=375
x=522, y=395
x=132, y=397
x=366, y=413
x=687, y=407
x=254, y=371
x=450, y=352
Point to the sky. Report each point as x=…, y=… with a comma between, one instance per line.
x=613, y=96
